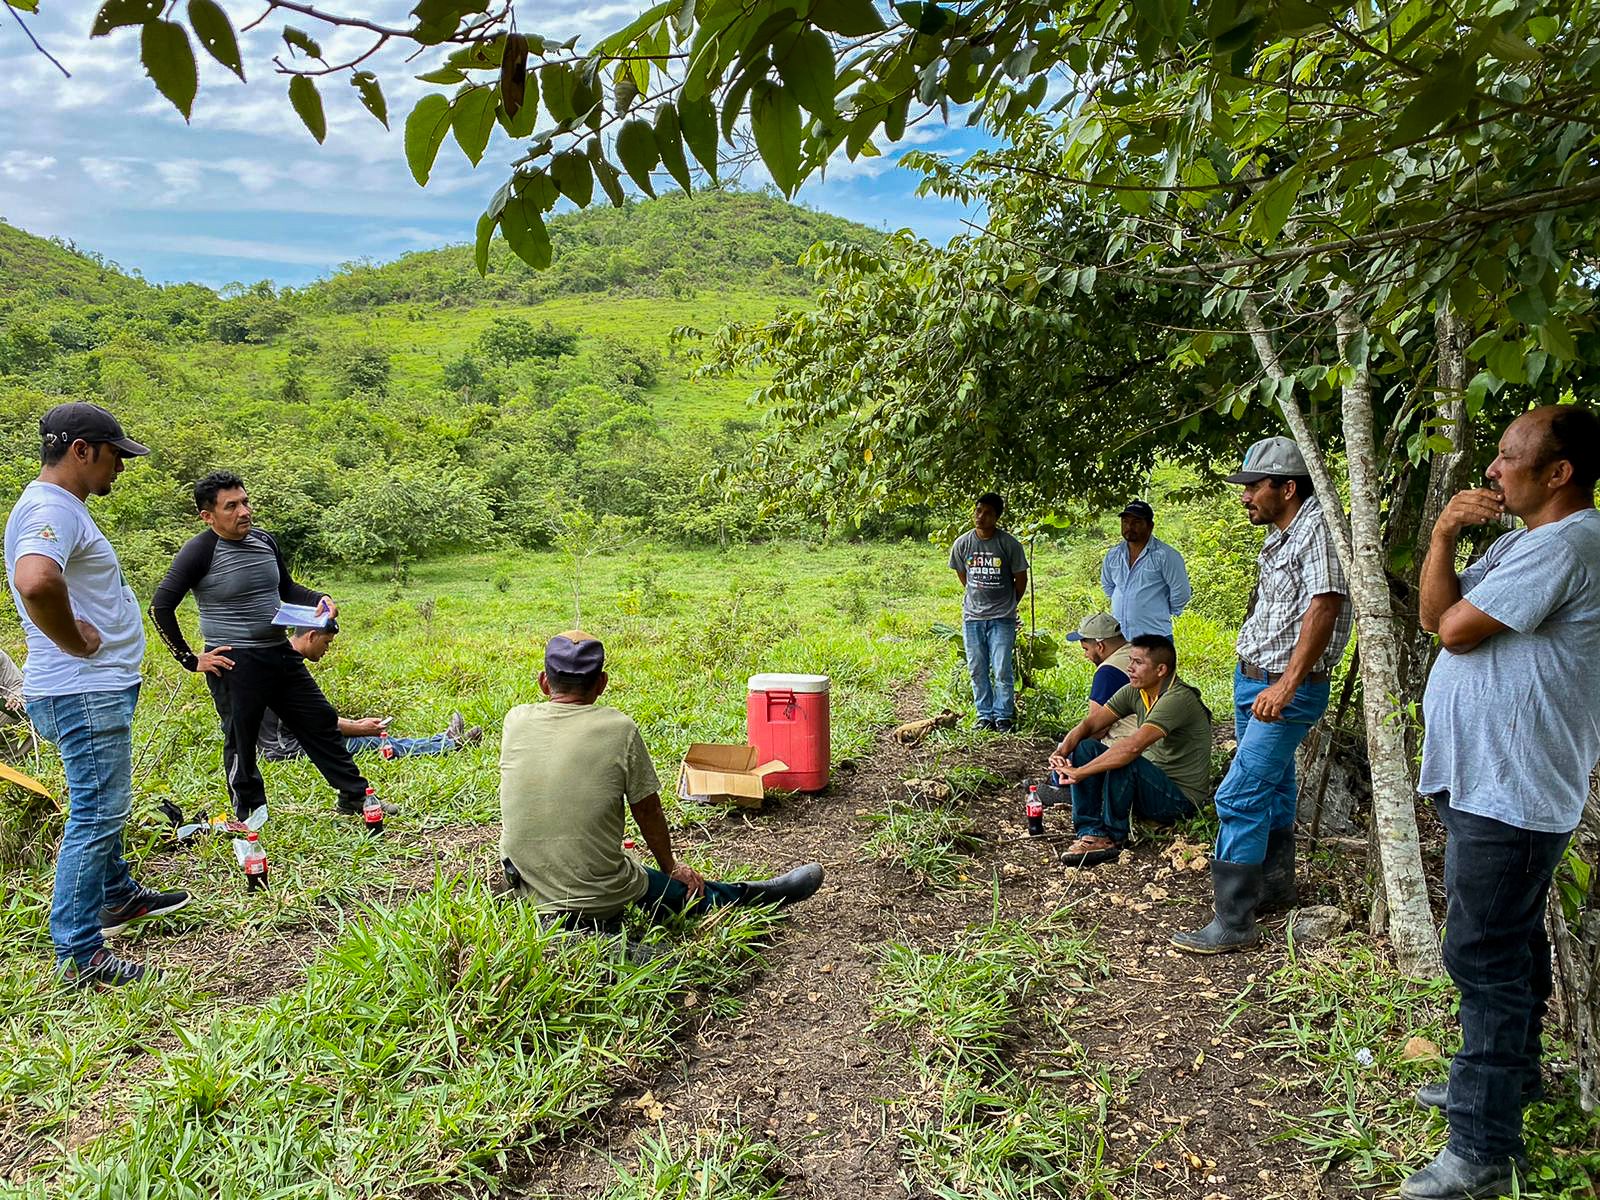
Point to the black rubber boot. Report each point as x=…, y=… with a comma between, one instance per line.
x=788, y=888
x=1451, y=1177
x=1278, y=892
x=1236, y=888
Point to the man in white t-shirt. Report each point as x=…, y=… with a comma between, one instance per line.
x=85, y=639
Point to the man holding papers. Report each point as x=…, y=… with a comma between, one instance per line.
x=245, y=595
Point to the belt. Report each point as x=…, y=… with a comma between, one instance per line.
x=1249, y=671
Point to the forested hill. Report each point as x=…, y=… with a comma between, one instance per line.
x=396, y=410
x=669, y=246
x=46, y=269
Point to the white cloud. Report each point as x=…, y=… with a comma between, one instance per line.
x=113, y=174
x=204, y=246
x=22, y=166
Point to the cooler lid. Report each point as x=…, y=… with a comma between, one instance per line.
x=788, y=683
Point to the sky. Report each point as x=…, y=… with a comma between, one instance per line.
x=244, y=193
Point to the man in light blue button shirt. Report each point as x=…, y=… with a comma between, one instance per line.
x=1143, y=577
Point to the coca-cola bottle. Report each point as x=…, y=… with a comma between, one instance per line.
x=255, y=864
x=372, y=812
x=385, y=746
x=1035, y=812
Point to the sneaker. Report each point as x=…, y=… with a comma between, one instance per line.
x=456, y=728
x=983, y=725
x=103, y=970
x=1004, y=726
x=472, y=736
x=146, y=902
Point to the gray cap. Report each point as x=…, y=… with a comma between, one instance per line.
x=1099, y=627
x=1270, y=456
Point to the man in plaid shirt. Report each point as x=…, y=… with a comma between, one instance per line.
x=1293, y=636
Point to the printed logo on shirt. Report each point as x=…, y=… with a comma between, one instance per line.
x=47, y=533
x=985, y=569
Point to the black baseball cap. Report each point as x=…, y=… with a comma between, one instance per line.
x=1138, y=508
x=68, y=423
x=574, y=652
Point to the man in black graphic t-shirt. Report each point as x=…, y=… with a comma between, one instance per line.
x=993, y=568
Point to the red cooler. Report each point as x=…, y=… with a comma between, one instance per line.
x=787, y=718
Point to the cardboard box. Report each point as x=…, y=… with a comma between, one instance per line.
x=725, y=774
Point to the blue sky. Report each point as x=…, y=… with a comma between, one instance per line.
x=244, y=193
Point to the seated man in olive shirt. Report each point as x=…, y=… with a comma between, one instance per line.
x=567, y=768
x=1161, y=772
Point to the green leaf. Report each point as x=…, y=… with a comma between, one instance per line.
x=472, y=120
x=638, y=153
x=1354, y=350
x=697, y=119
x=212, y=27
x=480, y=249
x=1557, y=339
x=1506, y=361
x=1528, y=306
x=610, y=178
x=307, y=103
x=444, y=75
x=851, y=18
x=807, y=70
x=523, y=227
x=366, y=83
x=118, y=14
x=169, y=61
x=303, y=42
x=669, y=144
x=425, y=129
x=1441, y=95
x=555, y=80
x=573, y=177
x=775, y=120
x=1273, y=204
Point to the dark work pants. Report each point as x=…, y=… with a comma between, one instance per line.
x=1102, y=805
x=276, y=677
x=1496, y=878
x=663, y=896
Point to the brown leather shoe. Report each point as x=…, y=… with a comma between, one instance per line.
x=1091, y=851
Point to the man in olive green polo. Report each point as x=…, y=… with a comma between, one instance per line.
x=1161, y=772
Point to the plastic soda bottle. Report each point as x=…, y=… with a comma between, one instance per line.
x=372, y=812
x=255, y=864
x=385, y=746
x=1035, y=812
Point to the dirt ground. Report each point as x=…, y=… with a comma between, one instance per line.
x=802, y=1066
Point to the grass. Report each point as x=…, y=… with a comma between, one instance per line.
x=724, y=1164
x=987, y=1120
x=428, y=1046
x=1343, y=1019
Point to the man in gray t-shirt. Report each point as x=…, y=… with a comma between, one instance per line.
x=1511, y=740
x=993, y=568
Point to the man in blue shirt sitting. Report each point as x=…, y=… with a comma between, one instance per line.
x=1143, y=577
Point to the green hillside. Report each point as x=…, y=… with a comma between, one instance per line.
x=677, y=245
x=394, y=410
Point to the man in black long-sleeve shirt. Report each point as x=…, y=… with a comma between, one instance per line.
x=239, y=578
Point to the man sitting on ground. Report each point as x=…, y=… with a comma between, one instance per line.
x=1160, y=773
x=1105, y=647
x=567, y=767
x=361, y=735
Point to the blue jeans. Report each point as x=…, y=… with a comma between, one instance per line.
x=1103, y=805
x=439, y=743
x=1258, y=793
x=991, y=649
x=94, y=733
x=1496, y=878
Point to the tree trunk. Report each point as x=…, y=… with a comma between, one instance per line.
x=1360, y=550
x=1577, y=945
